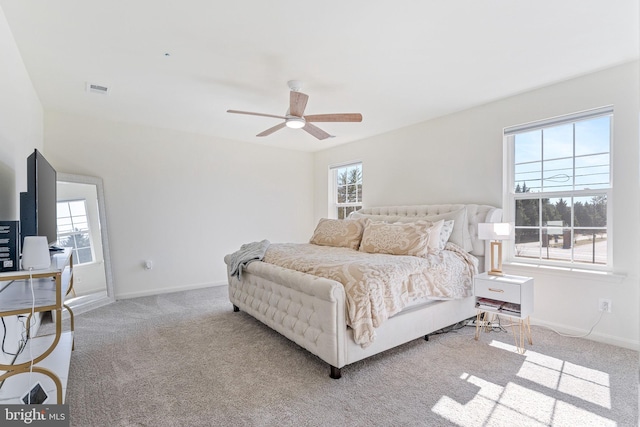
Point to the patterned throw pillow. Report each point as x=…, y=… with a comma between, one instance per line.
x=410, y=238
x=445, y=232
x=459, y=231
x=436, y=243
x=345, y=233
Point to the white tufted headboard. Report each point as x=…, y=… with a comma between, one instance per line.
x=475, y=214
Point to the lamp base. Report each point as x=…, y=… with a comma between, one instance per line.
x=496, y=259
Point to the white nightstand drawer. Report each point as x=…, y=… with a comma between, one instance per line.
x=517, y=290
x=507, y=292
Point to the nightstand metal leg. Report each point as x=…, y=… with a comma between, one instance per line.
x=521, y=329
x=529, y=331
x=515, y=335
x=478, y=317
x=524, y=330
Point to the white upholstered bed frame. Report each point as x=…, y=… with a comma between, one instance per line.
x=311, y=311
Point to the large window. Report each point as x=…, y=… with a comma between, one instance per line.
x=559, y=189
x=345, y=189
x=73, y=230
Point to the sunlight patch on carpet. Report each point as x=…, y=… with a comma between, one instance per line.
x=494, y=404
x=584, y=383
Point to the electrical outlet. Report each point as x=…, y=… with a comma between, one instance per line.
x=604, y=305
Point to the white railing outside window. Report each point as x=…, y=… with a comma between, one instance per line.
x=558, y=190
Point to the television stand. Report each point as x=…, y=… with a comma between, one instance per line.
x=48, y=356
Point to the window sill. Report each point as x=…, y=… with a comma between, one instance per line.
x=572, y=272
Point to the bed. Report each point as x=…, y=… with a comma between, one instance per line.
x=313, y=311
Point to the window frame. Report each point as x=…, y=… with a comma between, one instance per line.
x=76, y=256
x=333, y=204
x=510, y=196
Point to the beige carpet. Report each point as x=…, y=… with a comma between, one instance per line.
x=185, y=359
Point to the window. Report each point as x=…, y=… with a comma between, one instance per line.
x=345, y=190
x=559, y=189
x=73, y=230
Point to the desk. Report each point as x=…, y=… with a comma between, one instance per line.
x=25, y=293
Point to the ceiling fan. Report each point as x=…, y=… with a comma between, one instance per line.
x=295, y=118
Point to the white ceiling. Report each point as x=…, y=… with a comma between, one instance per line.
x=398, y=63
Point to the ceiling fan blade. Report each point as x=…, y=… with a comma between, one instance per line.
x=316, y=131
x=338, y=117
x=297, y=103
x=255, y=114
x=272, y=130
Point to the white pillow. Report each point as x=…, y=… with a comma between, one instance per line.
x=435, y=240
x=445, y=232
x=460, y=233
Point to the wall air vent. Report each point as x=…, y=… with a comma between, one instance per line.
x=95, y=88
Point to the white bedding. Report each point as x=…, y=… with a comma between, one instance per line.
x=377, y=286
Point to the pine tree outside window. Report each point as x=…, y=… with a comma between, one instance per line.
x=559, y=190
x=345, y=190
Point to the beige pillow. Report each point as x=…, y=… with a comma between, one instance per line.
x=459, y=234
x=445, y=230
x=344, y=233
x=411, y=238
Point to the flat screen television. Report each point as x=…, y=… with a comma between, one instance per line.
x=38, y=205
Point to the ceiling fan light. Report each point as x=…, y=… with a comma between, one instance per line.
x=295, y=122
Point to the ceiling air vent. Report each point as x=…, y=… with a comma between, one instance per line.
x=95, y=88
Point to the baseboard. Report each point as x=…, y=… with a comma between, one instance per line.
x=189, y=287
x=593, y=336
x=84, y=303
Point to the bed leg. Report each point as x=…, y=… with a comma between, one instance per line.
x=235, y=308
x=335, y=373
x=426, y=337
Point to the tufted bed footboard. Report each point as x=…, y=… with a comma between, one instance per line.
x=310, y=311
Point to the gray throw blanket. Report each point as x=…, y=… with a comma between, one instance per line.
x=248, y=253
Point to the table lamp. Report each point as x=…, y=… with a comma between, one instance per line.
x=495, y=231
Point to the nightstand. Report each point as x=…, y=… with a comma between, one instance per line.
x=510, y=296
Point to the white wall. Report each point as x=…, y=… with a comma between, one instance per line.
x=182, y=200
x=20, y=123
x=20, y=132
x=458, y=158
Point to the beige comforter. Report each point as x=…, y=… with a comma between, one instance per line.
x=378, y=286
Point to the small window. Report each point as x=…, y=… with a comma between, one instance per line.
x=73, y=230
x=345, y=190
x=559, y=183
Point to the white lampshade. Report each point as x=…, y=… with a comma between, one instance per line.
x=35, y=253
x=494, y=231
